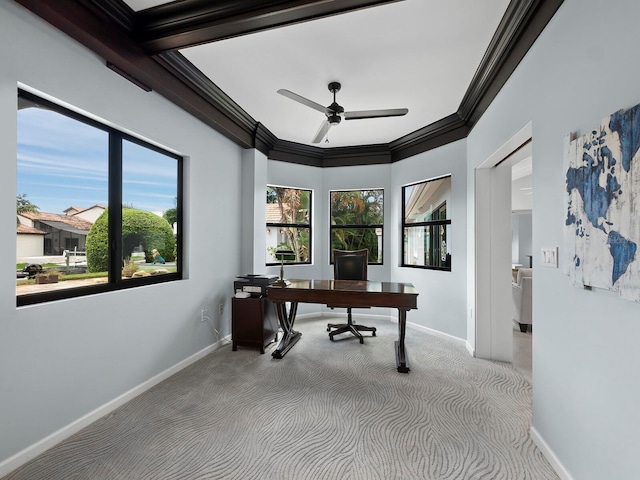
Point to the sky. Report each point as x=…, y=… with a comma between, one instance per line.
x=64, y=162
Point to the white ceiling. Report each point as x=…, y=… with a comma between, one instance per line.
x=415, y=54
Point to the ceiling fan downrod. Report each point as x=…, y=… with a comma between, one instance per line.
x=335, y=118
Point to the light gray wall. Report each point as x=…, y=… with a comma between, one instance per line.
x=61, y=360
x=254, y=174
x=442, y=295
x=585, y=354
x=521, y=238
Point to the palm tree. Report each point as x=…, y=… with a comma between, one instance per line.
x=352, y=215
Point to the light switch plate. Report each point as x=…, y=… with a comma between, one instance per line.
x=550, y=257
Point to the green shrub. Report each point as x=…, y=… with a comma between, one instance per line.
x=139, y=227
x=130, y=267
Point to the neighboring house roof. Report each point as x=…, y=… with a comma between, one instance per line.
x=72, y=210
x=62, y=222
x=80, y=210
x=273, y=213
x=24, y=229
x=65, y=227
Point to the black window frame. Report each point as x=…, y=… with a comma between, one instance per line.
x=115, y=281
x=309, y=226
x=333, y=227
x=430, y=223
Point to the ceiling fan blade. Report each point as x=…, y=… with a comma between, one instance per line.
x=322, y=132
x=359, y=115
x=305, y=101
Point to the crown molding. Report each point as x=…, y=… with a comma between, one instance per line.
x=292, y=152
x=187, y=23
x=263, y=139
x=519, y=28
x=112, y=30
x=446, y=130
x=82, y=21
x=181, y=68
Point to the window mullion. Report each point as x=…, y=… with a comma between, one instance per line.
x=115, y=207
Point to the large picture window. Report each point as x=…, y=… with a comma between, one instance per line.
x=357, y=219
x=97, y=209
x=426, y=224
x=288, y=224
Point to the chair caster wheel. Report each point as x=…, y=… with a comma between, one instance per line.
x=374, y=334
x=361, y=341
x=328, y=329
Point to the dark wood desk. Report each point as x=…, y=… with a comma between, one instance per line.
x=402, y=296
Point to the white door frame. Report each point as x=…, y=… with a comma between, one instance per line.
x=493, y=307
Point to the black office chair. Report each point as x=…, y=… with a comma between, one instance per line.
x=349, y=265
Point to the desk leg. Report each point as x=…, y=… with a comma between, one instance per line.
x=290, y=336
x=402, y=362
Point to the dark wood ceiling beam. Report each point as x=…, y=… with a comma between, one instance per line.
x=193, y=22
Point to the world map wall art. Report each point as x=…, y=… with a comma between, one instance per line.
x=602, y=225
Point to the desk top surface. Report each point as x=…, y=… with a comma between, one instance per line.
x=352, y=292
x=362, y=286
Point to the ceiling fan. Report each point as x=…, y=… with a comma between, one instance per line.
x=335, y=112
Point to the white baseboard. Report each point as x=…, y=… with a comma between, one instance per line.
x=394, y=319
x=551, y=457
x=29, y=453
x=437, y=333
x=470, y=349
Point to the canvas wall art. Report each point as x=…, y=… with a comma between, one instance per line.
x=602, y=224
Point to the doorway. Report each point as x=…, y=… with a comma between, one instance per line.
x=493, y=248
x=521, y=258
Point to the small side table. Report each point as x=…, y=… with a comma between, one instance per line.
x=253, y=323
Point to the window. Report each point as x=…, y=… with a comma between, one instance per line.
x=426, y=224
x=98, y=209
x=288, y=224
x=357, y=218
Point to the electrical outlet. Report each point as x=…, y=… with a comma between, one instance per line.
x=220, y=308
x=203, y=315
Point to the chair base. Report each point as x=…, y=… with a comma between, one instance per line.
x=350, y=327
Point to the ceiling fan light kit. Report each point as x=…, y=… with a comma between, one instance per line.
x=335, y=112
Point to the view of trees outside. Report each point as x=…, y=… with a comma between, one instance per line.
x=142, y=232
x=23, y=205
x=288, y=223
x=63, y=170
x=357, y=218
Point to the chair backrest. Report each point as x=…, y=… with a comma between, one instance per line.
x=350, y=264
